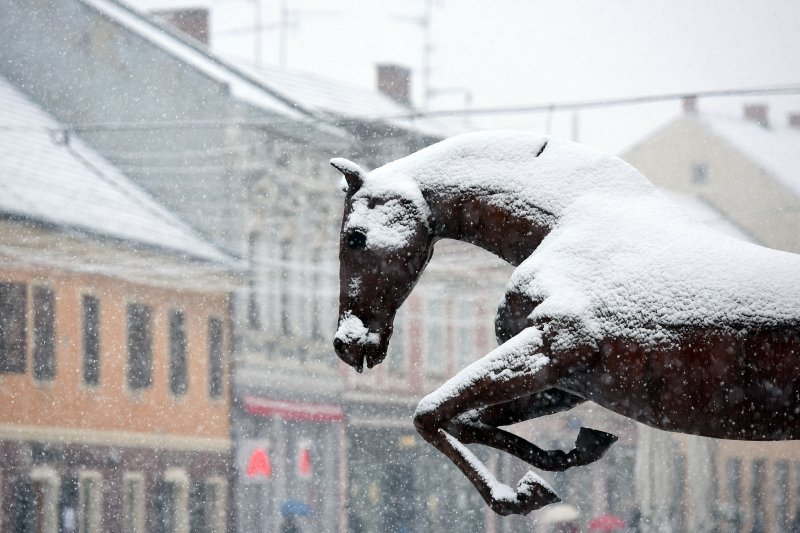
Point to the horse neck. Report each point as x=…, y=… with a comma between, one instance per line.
x=479, y=219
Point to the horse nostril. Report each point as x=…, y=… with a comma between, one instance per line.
x=338, y=344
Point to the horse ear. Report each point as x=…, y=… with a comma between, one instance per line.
x=352, y=172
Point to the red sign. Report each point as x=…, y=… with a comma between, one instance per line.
x=258, y=465
x=304, y=462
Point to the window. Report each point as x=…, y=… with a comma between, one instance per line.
x=198, y=507
x=215, y=368
x=172, y=503
x=396, y=358
x=733, y=482
x=757, y=494
x=89, y=503
x=91, y=340
x=44, y=342
x=270, y=308
x=133, y=503
x=285, y=286
x=207, y=506
x=315, y=297
x=68, y=504
x=699, y=173
x=216, y=499
x=780, y=495
x=465, y=332
x=253, y=311
x=299, y=288
x=177, y=353
x=435, y=325
x=36, y=501
x=140, y=347
x=13, y=306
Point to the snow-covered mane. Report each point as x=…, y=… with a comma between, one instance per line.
x=618, y=297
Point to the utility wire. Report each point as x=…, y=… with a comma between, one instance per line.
x=610, y=102
x=413, y=115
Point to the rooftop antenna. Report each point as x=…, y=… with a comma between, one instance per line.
x=286, y=19
x=424, y=22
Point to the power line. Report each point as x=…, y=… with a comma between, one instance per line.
x=610, y=102
x=510, y=110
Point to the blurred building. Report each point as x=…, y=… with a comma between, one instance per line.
x=241, y=155
x=745, y=173
x=115, y=336
x=747, y=168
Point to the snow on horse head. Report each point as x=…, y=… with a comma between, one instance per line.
x=618, y=298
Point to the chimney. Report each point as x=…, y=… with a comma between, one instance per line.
x=690, y=104
x=395, y=82
x=794, y=120
x=191, y=21
x=757, y=114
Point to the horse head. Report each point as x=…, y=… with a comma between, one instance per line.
x=385, y=243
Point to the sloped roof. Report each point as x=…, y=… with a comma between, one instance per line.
x=192, y=53
x=66, y=184
x=344, y=101
x=775, y=149
x=704, y=213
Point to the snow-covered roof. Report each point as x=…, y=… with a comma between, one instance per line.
x=54, y=180
x=241, y=86
x=344, y=101
x=775, y=149
x=703, y=212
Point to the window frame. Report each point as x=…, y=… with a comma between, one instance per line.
x=179, y=482
x=90, y=501
x=48, y=346
x=49, y=481
x=16, y=363
x=97, y=342
x=133, y=512
x=141, y=383
x=216, y=364
x=178, y=353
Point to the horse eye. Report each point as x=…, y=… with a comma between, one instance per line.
x=356, y=240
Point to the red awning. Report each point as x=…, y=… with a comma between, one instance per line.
x=296, y=411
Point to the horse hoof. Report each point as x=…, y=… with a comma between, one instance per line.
x=534, y=493
x=592, y=444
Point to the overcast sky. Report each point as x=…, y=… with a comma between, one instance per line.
x=528, y=52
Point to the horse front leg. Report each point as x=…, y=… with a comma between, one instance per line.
x=519, y=367
x=481, y=426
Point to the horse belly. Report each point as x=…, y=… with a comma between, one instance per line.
x=716, y=383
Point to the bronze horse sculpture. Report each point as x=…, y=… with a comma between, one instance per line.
x=617, y=298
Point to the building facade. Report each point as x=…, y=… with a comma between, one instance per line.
x=114, y=369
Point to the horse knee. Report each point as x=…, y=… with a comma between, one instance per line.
x=426, y=422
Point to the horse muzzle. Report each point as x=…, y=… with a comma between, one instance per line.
x=357, y=346
x=357, y=355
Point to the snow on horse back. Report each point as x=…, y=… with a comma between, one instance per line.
x=618, y=297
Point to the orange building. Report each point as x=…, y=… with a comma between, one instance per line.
x=115, y=343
